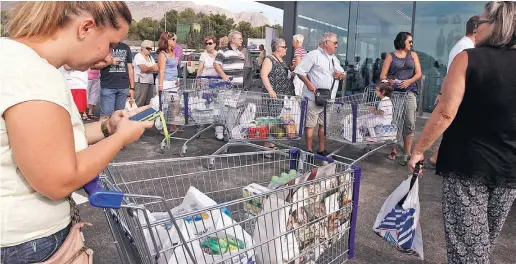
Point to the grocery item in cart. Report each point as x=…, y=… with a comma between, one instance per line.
x=254, y=206
x=213, y=245
x=159, y=232
x=290, y=126
x=258, y=132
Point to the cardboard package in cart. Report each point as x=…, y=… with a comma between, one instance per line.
x=230, y=243
x=310, y=219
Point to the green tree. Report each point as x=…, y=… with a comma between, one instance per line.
x=171, y=18
x=187, y=16
x=148, y=28
x=221, y=25
x=4, y=19
x=246, y=29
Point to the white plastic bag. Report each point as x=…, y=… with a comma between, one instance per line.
x=199, y=226
x=269, y=226
x=346, y=129
x=399, y=225
x=154, y=102
x=129, y=106
x=160, y=235
x=248, y=115
x=291, y=108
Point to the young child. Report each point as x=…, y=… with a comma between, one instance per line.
x=77, y=82
x=382, y=114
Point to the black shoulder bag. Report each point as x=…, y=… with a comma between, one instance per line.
x=323, y=95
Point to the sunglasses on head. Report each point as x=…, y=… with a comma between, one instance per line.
x=208, y=43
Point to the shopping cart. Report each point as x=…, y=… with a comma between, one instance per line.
x=195, y=104
x=350, y=120
x=149, y=193
x=252, y=117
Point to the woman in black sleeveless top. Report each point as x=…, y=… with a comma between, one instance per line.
x=477, y=157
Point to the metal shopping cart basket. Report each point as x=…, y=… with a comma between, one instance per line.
x=194, y=104
x=251, y=116
x=351, y=120
x=144, y=207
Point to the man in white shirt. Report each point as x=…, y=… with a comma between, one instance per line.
x=319, y=69
x=467, y=42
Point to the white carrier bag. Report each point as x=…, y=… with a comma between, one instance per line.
x=398, y=220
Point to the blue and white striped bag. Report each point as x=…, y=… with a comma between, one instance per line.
x=398, y=220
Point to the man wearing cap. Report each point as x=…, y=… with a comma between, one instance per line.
x=144, y=67
x=466, y=42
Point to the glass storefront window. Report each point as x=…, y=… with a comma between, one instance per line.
x=438, y=26
x=377, y=26
x=315, y=18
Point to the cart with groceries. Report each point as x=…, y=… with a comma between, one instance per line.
x=251, y=117
x=195, y=104
x=247, y=208
x=354, y=120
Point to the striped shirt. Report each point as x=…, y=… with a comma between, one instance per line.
x=319, y=67
x=301, y=52
x=232, y=62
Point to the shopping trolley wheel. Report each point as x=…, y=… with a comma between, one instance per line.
x=183, y=151
x=211, y=164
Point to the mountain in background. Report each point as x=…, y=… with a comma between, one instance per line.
x=157, y=9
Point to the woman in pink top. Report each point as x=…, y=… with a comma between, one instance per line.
x=93, y=91
x=299, y=53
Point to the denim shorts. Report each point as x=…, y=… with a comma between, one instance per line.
x=35, y=251
x=112, y=100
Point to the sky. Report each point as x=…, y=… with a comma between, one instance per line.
x=272, y=13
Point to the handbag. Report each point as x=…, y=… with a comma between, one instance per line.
x=73, y=250
x=323, y=95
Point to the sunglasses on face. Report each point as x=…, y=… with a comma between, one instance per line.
x=208, y=43
x=149, y=49
x=483, y=21
x=334, y=43
x=411, y=42
x=285, y=47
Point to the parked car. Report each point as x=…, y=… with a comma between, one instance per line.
x=191, y=62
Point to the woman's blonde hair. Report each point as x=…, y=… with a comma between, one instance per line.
x=502, y=17
x=42, y=19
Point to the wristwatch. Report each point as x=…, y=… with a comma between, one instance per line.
x=104, y=128
x=132, y=88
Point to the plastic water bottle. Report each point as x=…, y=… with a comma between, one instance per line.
x=292, y=174
x=275, y=183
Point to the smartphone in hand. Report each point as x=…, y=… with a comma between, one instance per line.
x=147, y=115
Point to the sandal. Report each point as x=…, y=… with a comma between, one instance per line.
x=92, y=117
x=392, y=156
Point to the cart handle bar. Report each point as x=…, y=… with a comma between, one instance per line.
x=317, y=156
x=99, y=197
x=215, y=85
x=212, y=78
